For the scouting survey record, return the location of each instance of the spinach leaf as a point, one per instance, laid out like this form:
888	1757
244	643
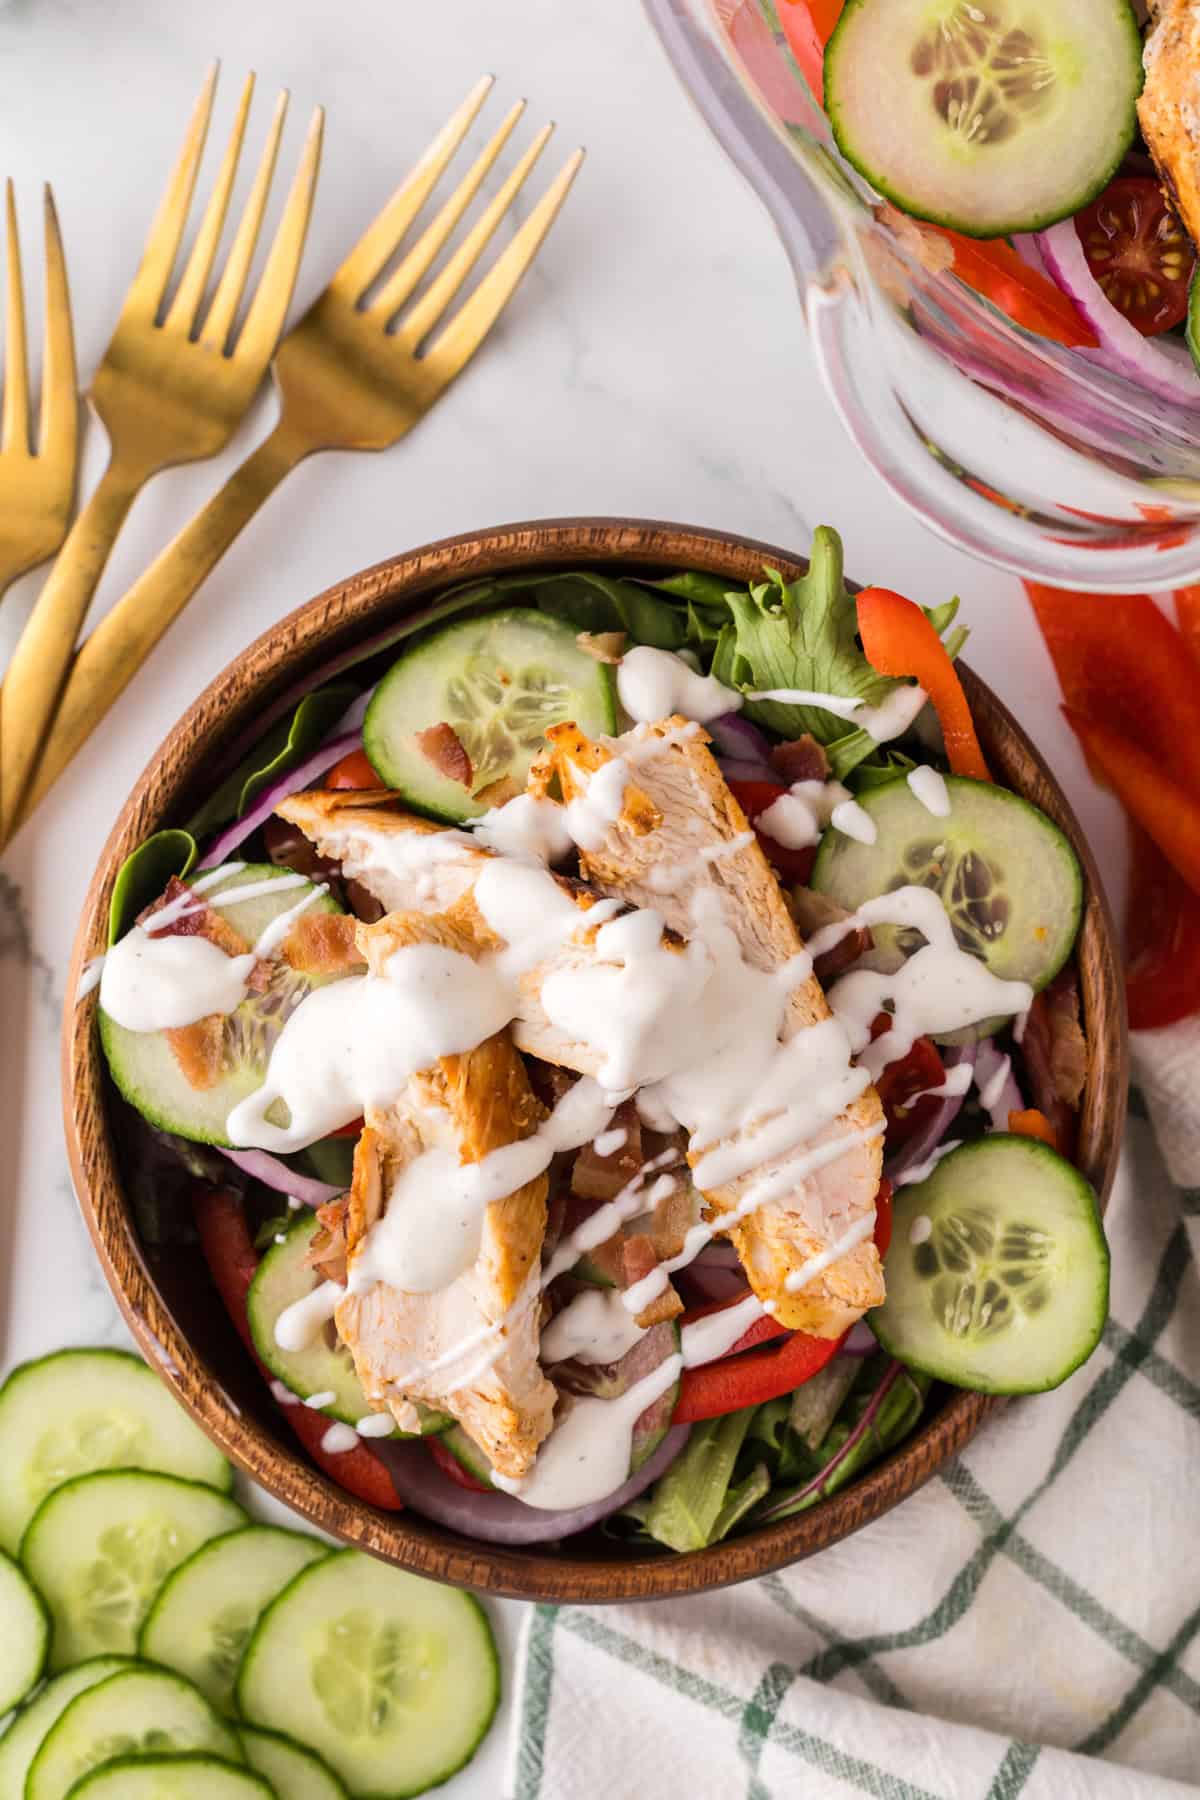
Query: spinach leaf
285	745
144	874
593	602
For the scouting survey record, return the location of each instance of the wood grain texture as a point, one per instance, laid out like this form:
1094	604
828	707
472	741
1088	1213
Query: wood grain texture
168	1300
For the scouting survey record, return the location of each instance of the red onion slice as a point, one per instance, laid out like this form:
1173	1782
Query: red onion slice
275	1174
1122	346
741	742
924	1142
703	1283
330	752
989	1061
499	1518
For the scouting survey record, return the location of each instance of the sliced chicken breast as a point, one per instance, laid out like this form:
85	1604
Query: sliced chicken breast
471	1347
681	843
389	851
1169	107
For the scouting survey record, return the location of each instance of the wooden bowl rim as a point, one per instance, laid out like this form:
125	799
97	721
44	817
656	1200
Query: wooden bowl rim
300	643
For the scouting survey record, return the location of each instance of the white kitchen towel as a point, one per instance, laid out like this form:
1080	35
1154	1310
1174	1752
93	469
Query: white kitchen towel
1028	1624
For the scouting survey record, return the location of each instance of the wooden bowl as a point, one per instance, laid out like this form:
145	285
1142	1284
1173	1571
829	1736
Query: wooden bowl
167	1297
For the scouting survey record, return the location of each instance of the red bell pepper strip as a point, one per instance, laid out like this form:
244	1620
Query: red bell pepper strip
754	797
732	1382
1168	812
354	771
761	1332
899	640
1162	940
808	26
1033	1124
883	1217
452	1469
1187	611
232	1261
1119	658
1029	298
903	1079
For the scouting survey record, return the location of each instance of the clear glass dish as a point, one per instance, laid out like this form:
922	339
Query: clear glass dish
1012	447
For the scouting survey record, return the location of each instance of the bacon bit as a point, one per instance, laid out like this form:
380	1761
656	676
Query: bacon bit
198	920
638	1259
327	1251
441	746
596	1177
199	1050
605	646
800	759
673	1217
322	944
812	911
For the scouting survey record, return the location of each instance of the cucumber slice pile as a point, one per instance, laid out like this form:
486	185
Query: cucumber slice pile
293	1772
500	682
190	1777
82	1410
1008	878
207	1607
25	1638
19	1744
990	119
144	1066
393	1680
997	1276
100	1547
140	1712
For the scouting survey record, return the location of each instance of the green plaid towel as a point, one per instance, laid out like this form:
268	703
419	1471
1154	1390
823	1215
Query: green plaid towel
1027	1624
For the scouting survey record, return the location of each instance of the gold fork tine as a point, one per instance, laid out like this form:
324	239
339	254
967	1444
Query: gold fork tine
430	307
190	292
60	388
228	296
454	346
14	435
264	321
381	237
401	283
158	258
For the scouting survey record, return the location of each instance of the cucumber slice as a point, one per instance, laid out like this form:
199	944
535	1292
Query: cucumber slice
988	119
293	1772
81	1410
1192	330
190	1777
1005	1289
393	1680
468	1455
140	1712
322	1367
100	1547
19	1744
500	681
1008	878
26	1635
204	1612
144	1066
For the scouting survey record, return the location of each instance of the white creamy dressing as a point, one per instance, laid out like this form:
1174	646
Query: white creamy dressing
929	787
301	1323
525	826
816	1265
317	1401
594	1327
375	1425
890	719
589	815
339	1439
797	819
992	1091
283	1396
89	977
921	1229
939	988
655	684
665	877
586	1456
923	1170
705	1339
958	1080
609	1142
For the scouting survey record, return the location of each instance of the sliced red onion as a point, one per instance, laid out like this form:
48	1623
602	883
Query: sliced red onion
1030	251
275	1174
735	768
499	1518
1122	347
989	1061
924	1142
330	752
718	1253
742	742
860	1430
860	1340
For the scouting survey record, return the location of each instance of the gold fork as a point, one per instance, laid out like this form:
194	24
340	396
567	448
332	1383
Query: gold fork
345	382
37	486
166	393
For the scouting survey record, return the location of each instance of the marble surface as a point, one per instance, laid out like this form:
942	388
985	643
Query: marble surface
654	364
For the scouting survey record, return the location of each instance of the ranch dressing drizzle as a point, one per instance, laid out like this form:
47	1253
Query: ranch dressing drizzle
890	719
939	988
991	1092
609	1142
706	1339
958	1081
589	815
586	1456
923	1170
929	787
593	1328
339	1439
655	684
816	1265
527	827
301	1323
796	819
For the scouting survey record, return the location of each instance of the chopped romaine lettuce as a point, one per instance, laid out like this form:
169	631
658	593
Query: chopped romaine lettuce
686	1502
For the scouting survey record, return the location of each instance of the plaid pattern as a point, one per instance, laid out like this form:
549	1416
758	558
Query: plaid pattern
1028	1624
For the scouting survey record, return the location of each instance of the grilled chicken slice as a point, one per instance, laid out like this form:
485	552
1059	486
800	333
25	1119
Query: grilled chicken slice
1169	107
681	837
389	851
403	1343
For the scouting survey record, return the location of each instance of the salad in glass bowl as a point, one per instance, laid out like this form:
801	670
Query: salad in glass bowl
620	1047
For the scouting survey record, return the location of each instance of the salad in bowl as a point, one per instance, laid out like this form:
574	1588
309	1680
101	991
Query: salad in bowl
621	1052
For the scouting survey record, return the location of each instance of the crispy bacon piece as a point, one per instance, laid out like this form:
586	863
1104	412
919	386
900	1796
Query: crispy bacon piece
811	911
605	646
199	1050
327	1251
800	759
441	746
322	944
639	1259
197	920
596	1177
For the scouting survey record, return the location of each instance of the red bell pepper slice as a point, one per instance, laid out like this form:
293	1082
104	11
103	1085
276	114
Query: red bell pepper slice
732	1382
1029	298
899	640
909	1075
452	1469
232	1261
808	26
1187	611
761	1332
1162	940
1119	658
754	797
1033	1124
883	1217
1168	812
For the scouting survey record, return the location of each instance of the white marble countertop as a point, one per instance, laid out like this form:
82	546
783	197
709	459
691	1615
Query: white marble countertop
655	364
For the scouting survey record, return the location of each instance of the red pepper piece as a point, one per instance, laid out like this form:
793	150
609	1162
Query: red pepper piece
883	1217
736	1381
1033	1124
1162	941
1168	812
909	1075
354	771
899	640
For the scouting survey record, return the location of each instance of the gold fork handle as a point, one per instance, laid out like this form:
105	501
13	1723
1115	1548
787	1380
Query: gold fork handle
43	654
114	652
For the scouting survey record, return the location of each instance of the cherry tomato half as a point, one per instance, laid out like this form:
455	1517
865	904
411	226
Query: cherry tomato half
354	771
754	797
903	1079
1138	253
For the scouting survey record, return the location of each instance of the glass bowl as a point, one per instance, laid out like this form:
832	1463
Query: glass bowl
1012	447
